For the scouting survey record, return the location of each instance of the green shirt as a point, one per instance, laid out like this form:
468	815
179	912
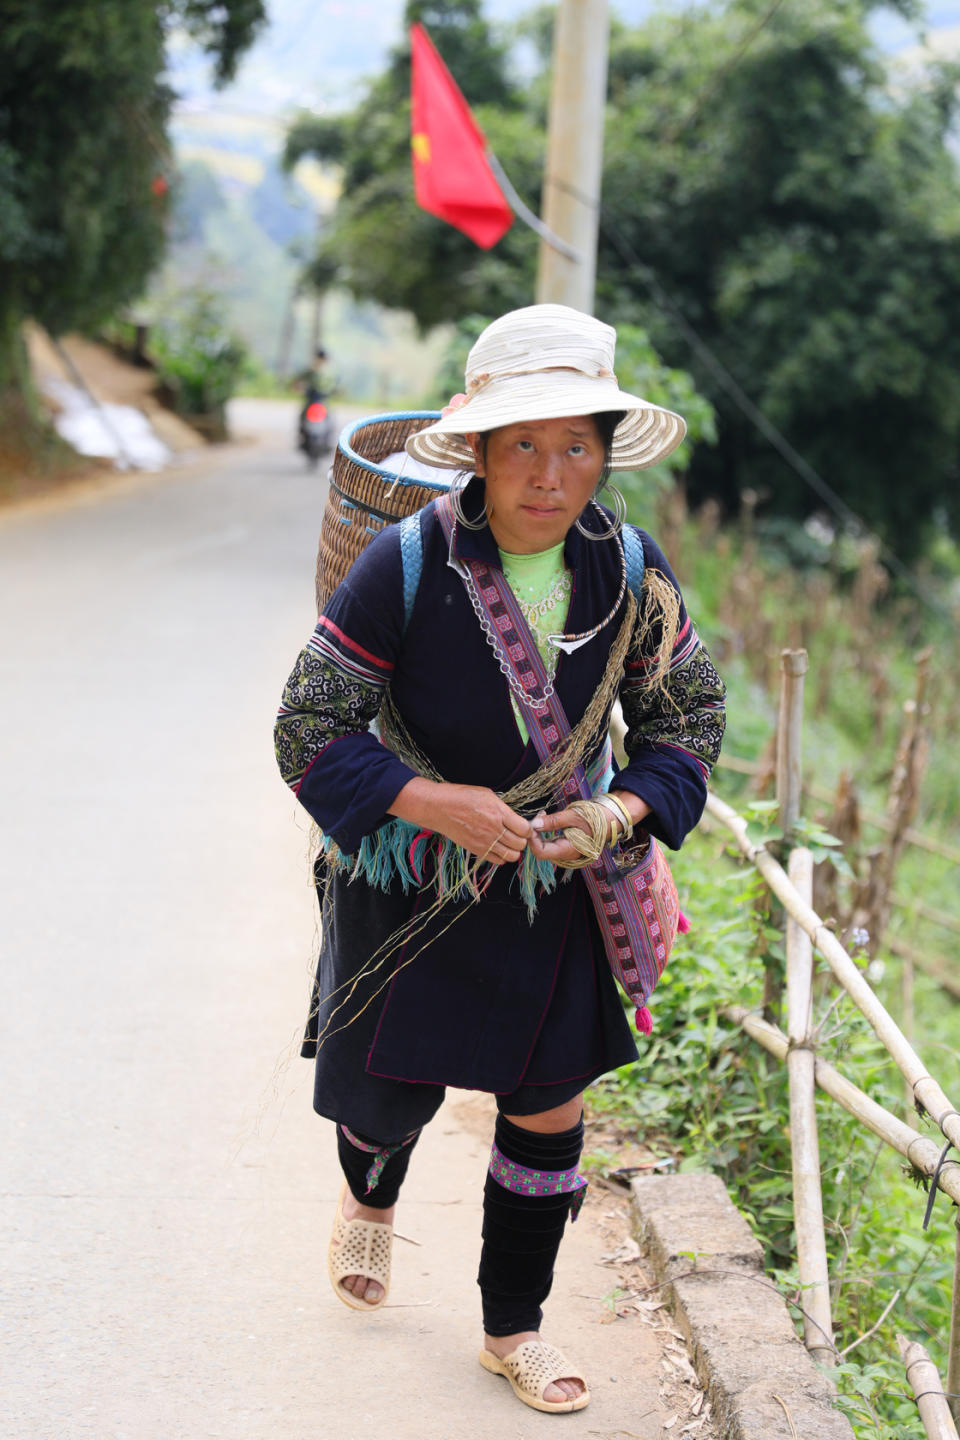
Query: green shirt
542	586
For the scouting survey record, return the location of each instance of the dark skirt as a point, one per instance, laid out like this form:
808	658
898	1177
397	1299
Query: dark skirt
478	999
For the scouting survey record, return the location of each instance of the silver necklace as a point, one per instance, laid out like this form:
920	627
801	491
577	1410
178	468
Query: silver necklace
534	610
564	642
493	641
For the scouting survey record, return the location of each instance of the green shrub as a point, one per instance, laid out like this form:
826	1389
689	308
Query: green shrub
196	359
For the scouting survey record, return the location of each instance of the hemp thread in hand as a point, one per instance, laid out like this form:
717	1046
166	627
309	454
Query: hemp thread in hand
591	844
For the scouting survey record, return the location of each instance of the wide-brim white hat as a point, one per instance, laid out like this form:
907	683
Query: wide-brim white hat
545	362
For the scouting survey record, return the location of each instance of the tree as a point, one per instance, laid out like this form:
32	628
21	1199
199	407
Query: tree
788	202
804	218
84	155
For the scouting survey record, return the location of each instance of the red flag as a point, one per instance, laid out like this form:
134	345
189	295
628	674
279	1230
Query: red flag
452	178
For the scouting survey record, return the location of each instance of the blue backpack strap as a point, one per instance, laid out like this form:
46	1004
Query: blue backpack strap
633	554
411	552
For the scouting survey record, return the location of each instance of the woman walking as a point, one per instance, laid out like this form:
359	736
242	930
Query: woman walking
458	946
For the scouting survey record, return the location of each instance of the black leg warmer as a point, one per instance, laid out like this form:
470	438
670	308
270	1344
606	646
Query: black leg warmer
374	1172
522	1228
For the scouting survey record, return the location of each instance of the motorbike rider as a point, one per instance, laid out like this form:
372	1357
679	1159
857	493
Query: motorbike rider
315	385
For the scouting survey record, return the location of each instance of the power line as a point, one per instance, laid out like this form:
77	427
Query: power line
721	73
523	212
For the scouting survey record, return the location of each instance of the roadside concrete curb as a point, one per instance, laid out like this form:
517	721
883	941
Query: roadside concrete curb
745	1350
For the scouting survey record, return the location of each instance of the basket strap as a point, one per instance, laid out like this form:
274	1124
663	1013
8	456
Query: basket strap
411	551
633	554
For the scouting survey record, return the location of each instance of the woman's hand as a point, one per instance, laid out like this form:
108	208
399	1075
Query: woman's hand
560	851
454	403
470	815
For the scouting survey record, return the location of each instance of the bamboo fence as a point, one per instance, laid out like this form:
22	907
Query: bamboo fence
927	1390
925	1088
806	933
808	1196
922	1152
940	968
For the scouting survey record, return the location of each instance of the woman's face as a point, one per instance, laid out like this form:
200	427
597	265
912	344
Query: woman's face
539	475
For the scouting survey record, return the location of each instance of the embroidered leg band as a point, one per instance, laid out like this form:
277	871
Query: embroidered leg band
532	1185
374	1172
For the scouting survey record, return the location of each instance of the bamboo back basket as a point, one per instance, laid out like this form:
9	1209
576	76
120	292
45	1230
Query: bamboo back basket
364	496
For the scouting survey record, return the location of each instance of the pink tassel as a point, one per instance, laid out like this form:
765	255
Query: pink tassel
420	835
683	924
644	1021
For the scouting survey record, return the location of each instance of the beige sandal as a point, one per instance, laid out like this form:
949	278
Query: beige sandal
531	1368
359	1247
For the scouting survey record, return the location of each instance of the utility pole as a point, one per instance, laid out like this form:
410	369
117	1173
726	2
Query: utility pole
571	184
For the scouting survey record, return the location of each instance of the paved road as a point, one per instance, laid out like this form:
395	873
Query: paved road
167	1192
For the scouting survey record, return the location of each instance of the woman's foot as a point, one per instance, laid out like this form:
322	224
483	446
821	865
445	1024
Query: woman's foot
361	1286
504	1345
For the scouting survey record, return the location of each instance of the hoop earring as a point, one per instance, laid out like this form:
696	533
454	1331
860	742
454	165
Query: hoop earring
619	516
457	487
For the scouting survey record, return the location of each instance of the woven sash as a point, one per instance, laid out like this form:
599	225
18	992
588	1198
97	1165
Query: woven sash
636	900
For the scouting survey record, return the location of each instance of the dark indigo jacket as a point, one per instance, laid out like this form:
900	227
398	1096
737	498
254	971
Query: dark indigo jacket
494	998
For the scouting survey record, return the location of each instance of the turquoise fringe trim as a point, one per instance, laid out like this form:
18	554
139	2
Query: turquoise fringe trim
398	850
401	851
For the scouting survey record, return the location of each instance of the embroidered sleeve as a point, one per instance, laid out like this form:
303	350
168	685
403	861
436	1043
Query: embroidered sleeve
336	689
327	754
689	716
674	731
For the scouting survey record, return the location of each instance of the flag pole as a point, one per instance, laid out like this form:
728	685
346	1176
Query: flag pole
524	213
571	187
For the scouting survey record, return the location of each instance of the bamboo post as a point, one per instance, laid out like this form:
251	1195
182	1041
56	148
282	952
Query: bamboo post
874	901
928	1389
793	667
804	1140
907	1011
953	1363
926	1089
789	769
922	1152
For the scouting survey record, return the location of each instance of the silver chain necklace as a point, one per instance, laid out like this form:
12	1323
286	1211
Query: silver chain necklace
561	641
493	641
534	610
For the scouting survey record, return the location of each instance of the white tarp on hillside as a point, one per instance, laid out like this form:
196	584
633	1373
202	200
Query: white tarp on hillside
115	432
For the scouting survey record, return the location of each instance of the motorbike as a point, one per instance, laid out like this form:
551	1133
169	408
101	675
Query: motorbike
317	437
